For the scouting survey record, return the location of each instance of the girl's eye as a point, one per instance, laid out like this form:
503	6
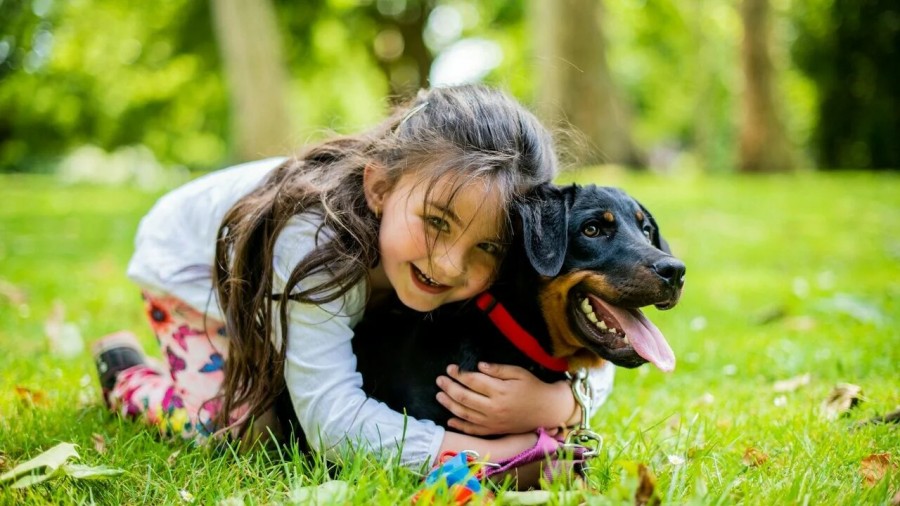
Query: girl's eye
438	223
490	248
591	230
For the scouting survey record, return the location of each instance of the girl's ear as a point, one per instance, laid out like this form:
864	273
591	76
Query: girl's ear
375	186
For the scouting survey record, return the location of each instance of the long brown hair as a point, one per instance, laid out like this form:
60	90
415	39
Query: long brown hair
468	131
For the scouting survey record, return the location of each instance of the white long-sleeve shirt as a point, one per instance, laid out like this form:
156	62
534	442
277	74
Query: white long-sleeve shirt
174	253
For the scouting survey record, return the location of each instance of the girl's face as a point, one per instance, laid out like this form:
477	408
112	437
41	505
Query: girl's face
435	249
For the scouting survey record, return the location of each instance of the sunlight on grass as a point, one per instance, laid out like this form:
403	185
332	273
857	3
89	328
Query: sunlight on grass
787	275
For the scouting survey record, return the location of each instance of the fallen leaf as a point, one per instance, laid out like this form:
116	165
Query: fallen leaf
82	472
31	397
49	461
874	467
53	463
171	460
754	458
646	491
99	443
842	398
792	384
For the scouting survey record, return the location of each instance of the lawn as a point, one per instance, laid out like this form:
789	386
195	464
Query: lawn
787	276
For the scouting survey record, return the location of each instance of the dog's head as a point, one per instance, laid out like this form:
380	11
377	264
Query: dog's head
601	257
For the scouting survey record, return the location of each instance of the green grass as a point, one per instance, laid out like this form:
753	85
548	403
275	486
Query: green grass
787	275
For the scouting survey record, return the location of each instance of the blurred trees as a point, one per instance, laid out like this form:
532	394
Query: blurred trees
662	79
851	49
764	146
574	83
250	44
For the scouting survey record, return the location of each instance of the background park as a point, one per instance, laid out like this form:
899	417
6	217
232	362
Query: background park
763	134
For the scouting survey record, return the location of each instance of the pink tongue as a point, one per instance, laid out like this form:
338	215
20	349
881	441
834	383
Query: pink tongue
644	337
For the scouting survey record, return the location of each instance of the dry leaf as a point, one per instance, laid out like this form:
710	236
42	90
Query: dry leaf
754	458
99	443
792	384
844	397
30	397
646	491
171	460
874	467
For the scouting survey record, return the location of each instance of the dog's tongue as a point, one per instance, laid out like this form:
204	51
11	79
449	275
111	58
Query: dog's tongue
645	338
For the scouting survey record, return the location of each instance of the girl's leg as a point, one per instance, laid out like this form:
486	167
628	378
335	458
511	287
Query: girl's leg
178	396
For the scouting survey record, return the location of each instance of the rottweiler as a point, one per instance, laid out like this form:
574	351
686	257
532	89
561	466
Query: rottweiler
583	260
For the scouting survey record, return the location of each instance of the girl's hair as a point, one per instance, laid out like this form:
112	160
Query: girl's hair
466	132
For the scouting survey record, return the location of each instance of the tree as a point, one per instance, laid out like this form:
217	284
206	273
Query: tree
575	85
763	144
846	47
251	53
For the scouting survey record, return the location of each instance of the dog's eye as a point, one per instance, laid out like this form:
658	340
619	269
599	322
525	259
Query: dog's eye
591	230
648	233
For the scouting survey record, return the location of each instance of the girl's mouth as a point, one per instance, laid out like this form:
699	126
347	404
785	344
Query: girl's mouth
424	282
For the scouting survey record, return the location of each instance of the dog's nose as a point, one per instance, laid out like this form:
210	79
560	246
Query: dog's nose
671	270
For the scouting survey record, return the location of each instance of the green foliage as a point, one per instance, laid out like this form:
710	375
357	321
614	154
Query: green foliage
787	275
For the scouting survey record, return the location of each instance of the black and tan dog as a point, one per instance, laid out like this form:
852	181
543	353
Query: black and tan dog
584	259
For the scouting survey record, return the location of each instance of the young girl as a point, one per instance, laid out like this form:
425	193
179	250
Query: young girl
254	277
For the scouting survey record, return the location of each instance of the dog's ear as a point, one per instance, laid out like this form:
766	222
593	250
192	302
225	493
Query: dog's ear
545	228
657	238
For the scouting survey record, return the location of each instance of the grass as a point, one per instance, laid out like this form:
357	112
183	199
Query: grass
787	275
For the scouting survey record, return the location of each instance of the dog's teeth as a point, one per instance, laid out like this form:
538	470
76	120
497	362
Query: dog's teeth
626	340
586	306
602	324
592	317
612	330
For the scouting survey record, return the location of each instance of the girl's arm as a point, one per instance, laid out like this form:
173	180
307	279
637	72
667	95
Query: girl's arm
504	399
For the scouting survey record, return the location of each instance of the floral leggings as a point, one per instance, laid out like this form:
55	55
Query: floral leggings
179	396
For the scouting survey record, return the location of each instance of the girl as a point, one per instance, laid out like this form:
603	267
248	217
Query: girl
254	277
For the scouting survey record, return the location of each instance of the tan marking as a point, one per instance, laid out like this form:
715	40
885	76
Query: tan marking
608	216
554	296
640	216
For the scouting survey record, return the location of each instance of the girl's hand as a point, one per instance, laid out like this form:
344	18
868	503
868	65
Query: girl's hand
504	399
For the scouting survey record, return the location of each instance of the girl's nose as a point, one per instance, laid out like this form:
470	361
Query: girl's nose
450	264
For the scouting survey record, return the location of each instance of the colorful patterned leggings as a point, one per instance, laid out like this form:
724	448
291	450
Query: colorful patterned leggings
179	395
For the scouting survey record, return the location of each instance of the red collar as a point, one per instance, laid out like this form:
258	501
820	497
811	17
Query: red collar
519	337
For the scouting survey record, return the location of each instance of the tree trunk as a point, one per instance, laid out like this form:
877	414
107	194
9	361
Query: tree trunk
249	43
575	87
764	146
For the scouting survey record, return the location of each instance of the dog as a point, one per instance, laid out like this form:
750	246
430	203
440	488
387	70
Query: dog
583	260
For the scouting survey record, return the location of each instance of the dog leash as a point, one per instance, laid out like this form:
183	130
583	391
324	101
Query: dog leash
582	436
